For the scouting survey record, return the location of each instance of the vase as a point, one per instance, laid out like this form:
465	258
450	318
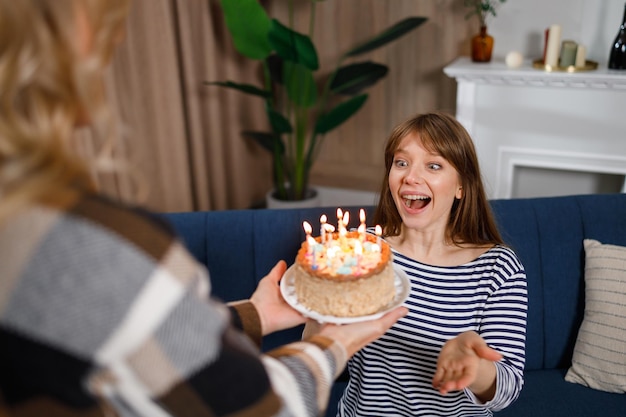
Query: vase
482	45
312	200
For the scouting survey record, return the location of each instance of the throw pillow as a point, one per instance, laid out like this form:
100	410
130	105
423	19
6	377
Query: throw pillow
599	359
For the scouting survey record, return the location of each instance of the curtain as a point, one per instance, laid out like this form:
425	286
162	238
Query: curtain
144	86
184	137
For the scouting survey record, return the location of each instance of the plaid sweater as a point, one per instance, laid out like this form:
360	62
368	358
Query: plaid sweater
104	312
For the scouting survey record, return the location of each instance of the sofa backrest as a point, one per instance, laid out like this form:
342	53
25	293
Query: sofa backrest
241	246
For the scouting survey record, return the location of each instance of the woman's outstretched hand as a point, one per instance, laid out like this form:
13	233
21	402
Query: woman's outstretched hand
467	362
354	336
273	310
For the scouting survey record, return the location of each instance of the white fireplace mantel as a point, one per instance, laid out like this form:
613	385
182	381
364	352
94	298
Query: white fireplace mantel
527	117
497	73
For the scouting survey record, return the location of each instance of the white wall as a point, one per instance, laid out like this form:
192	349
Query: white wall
520	25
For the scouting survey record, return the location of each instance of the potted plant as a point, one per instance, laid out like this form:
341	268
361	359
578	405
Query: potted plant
482	43
301	106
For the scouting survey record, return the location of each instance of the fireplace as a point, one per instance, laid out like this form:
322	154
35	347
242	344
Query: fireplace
543	133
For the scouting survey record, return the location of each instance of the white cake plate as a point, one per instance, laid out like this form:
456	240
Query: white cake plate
287	289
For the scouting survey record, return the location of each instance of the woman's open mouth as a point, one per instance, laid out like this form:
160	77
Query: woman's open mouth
416	202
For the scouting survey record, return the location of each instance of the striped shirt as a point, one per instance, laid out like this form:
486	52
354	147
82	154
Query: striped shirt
104	312
393	375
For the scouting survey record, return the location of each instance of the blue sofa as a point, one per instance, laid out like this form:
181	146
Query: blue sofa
240	247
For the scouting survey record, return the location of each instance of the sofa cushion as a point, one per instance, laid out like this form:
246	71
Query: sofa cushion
599	359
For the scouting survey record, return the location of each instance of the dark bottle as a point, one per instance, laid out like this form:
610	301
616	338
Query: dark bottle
482	45
617	58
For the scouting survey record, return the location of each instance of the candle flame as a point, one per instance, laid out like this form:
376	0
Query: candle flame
307	227
346	218
378	230
362	215
329	228
339	214
323	219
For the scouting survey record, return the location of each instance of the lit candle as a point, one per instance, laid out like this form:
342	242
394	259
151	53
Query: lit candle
342	236
323	228
311	247
307	229
341	229
361	231
379	232
329	228
339	218
362	226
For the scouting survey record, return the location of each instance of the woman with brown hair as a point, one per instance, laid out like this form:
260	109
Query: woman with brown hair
460	349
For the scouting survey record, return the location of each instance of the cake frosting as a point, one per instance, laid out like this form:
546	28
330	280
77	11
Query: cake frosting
344	274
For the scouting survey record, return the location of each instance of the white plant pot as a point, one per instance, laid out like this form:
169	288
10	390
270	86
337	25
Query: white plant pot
274	203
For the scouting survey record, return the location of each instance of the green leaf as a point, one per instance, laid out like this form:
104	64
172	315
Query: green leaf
388	35
354	78
249	26
339	114
280	124
300	84
246	88
266	140
293	46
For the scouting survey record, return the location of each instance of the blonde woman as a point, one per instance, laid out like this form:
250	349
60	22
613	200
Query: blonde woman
102	310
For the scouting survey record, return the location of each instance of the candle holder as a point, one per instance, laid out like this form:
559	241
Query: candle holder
589	66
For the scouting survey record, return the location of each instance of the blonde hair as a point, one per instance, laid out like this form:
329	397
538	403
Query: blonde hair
51	79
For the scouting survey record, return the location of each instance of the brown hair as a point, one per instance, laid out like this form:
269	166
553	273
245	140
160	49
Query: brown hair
471	219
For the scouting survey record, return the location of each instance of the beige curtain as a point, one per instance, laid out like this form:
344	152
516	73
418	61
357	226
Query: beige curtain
184	136
144	86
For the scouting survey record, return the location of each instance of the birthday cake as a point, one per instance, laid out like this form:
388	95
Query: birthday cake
344	274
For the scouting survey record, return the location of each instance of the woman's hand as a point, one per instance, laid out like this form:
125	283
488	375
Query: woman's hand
274	312
353	337
467	362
